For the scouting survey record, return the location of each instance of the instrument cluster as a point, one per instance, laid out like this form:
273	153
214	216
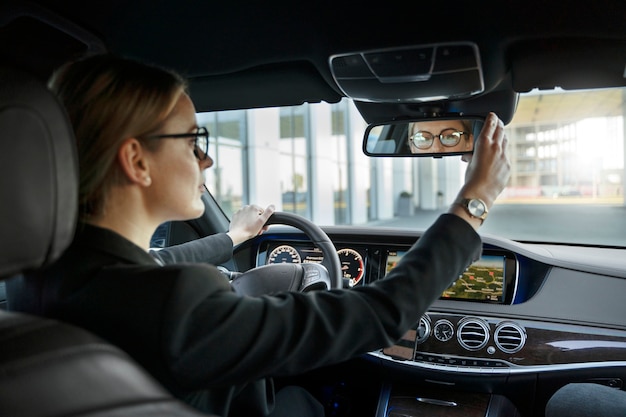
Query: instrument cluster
352	260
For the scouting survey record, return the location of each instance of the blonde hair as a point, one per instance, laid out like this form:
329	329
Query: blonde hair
110	99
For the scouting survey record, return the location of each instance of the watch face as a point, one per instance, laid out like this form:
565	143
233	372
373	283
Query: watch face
476	207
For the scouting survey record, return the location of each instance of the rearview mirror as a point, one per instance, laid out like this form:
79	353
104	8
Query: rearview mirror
435	137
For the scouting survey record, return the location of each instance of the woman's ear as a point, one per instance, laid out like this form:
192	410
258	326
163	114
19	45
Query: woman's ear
131	156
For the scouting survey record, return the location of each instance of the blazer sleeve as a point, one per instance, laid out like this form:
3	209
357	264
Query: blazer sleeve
212	336
214	249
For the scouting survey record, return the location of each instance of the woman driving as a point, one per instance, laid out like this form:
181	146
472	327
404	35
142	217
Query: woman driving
141	156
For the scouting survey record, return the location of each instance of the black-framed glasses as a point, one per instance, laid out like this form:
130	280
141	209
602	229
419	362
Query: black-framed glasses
448	138
201	145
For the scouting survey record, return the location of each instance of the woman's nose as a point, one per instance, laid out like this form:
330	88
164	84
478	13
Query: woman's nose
437	146
206	162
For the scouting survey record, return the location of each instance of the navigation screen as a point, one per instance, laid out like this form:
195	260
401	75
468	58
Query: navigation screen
484	280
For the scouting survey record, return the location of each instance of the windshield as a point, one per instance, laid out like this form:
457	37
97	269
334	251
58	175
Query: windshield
566	151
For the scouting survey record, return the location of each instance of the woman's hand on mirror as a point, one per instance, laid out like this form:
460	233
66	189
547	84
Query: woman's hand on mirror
489	167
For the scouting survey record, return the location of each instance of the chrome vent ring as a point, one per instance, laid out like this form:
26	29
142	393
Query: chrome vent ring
509	337
472	333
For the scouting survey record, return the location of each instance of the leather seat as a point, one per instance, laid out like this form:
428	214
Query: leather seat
49	368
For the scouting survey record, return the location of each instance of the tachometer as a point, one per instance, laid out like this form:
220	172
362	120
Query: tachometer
284	254
351	265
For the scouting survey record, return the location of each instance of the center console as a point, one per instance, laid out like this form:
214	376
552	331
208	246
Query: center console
418	401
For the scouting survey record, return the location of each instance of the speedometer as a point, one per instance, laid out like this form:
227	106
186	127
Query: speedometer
284	254
351	265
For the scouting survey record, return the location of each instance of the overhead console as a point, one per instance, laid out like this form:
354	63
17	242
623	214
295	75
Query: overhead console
419	73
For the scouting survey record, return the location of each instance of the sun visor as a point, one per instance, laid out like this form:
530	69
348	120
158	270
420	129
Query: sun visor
410	74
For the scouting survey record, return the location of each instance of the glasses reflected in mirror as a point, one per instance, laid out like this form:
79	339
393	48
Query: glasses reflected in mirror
441	136
426	137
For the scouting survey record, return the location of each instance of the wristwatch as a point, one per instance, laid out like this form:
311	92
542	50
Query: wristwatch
475	207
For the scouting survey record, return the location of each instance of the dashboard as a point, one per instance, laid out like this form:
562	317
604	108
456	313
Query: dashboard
352	259
556	304
491	279
525	316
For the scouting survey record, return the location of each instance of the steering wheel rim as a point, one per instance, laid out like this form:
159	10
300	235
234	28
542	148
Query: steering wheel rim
319	238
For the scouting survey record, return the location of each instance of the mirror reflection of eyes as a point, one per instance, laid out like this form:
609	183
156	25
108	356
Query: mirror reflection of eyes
425	137
449	137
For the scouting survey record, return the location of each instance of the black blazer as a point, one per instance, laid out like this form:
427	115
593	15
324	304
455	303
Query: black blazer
185	324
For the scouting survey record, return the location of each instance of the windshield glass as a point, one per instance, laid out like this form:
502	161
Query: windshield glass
566	151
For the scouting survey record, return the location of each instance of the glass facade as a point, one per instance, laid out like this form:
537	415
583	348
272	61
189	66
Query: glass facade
227	145
317	168
293	162
326	179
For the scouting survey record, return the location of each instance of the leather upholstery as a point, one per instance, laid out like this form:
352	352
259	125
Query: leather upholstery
38	175
49	368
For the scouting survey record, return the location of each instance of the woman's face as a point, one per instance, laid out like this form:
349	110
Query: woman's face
436	128
176	173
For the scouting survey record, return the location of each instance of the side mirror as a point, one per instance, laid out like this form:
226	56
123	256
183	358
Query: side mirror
434	137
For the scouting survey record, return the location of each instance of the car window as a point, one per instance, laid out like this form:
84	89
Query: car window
567	158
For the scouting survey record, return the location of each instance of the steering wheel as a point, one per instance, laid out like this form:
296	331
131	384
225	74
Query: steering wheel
294	277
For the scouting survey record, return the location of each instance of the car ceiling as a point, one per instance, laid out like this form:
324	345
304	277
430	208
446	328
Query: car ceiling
256	54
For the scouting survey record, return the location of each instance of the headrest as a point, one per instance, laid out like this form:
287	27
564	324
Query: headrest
38	175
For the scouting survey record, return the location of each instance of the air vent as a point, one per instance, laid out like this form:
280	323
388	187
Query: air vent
422	333
473	333
510	337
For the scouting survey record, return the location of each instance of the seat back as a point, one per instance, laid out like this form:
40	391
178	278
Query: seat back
38	175
49	368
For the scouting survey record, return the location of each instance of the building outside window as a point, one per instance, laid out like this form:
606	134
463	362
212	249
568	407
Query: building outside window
227	142
330	181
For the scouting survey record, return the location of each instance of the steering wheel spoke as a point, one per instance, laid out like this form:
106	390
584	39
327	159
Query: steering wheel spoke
305	277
